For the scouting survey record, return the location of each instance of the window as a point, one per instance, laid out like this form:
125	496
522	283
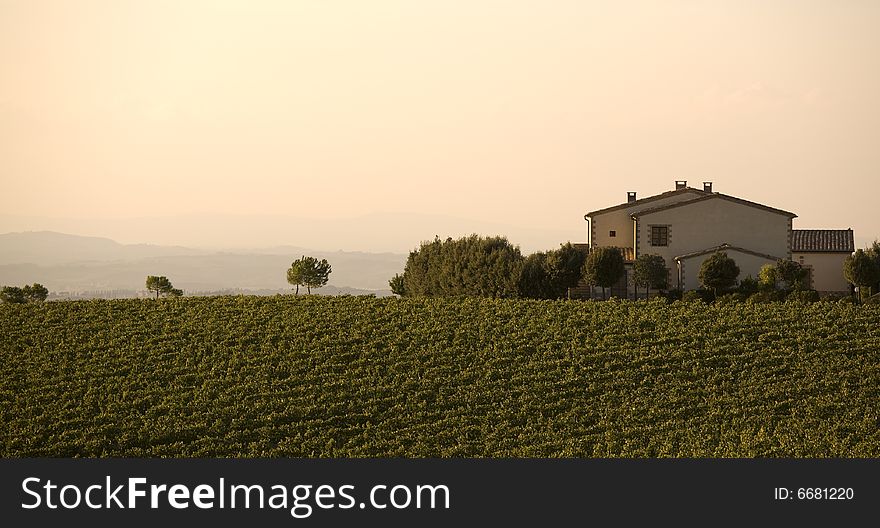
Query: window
659	235
612	233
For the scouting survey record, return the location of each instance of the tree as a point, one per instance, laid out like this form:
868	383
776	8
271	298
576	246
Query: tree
650	271
472	266
35	292
604	267
13	295
768	277
549	275
309	272
565	268
295	274
860	269
792	274
718	272
161	285
874	253
397	286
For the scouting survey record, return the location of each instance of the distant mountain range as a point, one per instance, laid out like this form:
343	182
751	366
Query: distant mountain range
71	263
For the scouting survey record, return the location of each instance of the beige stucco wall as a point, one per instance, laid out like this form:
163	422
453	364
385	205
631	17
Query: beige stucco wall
690	272
708	223
620	221
827	270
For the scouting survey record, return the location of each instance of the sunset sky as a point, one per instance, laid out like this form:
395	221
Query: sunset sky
523	114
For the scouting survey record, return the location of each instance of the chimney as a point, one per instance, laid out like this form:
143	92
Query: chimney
707	186
630	197
680	184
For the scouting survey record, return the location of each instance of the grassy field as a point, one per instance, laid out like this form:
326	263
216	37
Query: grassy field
363	377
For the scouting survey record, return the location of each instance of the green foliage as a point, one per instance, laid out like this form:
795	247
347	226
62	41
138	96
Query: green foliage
549	275
784	274
804	296
718	272
472	266
159	285
309	272
732	298
703	295
748	286
874	253
650	271
604	267
792	274
862	270
397	285
363	377
766	296
13	295
36	292
674	294
768	278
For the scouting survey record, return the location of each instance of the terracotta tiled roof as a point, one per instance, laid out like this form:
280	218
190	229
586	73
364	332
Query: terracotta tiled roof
822	241
628	252
733	199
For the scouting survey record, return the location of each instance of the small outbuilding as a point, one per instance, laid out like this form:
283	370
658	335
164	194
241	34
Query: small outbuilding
822	252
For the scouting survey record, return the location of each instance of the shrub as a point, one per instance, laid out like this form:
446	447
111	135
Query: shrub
765	297
674	294
748	286
732	298
804	296
690	296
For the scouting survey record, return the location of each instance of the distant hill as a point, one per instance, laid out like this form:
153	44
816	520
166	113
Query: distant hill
49	248
71	263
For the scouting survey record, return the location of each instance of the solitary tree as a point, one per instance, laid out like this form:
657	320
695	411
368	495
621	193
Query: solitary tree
397	286
718	272
309	272
650	271
13	295
160	285
604	267
35	292
861	270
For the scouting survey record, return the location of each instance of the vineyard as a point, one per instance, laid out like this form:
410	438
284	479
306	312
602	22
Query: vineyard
316	376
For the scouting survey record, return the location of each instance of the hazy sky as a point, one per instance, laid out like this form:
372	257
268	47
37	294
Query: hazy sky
521	113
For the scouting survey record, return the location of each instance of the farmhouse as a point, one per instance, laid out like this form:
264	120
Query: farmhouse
687	225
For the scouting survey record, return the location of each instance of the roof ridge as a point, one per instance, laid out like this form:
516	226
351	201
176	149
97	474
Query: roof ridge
727	197
664	194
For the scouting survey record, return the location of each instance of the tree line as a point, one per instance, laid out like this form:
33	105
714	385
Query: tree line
476	266
35	292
